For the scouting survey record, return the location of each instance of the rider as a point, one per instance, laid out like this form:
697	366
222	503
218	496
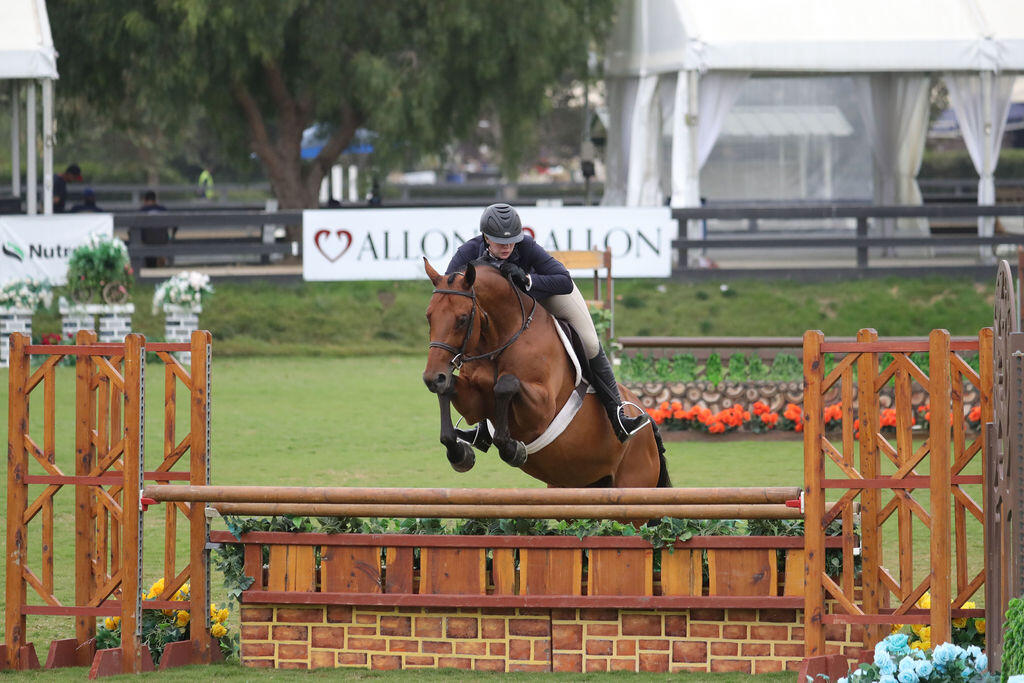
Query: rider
534	271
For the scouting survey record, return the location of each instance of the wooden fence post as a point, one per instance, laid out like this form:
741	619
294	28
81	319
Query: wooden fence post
85	499
940	495
199	475
131	510
814	496
870	498
17	500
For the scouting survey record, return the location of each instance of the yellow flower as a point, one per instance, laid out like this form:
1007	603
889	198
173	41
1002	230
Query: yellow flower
970	605
213	610
960	622
218	630
109	624
181	621
917	628
921	645
223	615
156	589
925	601
896	628
980	625
925	634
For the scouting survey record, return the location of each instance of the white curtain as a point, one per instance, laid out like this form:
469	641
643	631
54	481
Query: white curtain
693	139
644	131
621	94
981	103
895	112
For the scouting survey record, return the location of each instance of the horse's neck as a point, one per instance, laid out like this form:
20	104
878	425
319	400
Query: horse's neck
505	313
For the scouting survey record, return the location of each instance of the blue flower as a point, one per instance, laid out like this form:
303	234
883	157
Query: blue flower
882	658
907	664
981	661
887	678
897	643
842	679
943	655
887	667
923	668
973	651
907	677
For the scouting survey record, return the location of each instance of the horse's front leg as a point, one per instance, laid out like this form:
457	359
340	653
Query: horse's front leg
511	450
460	454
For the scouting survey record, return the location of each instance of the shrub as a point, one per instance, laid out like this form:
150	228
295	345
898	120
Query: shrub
27	293
1013	639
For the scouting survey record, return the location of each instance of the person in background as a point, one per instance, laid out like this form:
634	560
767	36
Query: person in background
72	174
88	203
154	235
204	188
503	244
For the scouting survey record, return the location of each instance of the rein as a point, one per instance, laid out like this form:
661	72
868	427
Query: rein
459	354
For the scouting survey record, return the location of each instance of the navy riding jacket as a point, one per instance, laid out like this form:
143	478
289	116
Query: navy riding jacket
547	276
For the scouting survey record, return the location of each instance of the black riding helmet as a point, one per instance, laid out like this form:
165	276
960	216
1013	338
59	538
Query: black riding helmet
500	224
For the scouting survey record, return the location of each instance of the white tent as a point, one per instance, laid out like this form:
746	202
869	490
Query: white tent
28	59
679	66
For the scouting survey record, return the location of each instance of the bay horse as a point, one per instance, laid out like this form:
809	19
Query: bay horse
513	370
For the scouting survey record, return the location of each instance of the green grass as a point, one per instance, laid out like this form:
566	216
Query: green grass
370	318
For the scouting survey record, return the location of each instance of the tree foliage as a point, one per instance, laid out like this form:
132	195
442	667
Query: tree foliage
417	72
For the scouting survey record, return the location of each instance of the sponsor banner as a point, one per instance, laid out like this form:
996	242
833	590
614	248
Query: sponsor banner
390	244
40	246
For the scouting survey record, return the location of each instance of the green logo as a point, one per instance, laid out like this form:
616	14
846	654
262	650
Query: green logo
14	251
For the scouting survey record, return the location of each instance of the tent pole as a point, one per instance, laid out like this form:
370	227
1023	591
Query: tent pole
986	224
48	146
15	138
30	148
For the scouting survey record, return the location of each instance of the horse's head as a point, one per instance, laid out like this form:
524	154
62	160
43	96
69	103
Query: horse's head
451	315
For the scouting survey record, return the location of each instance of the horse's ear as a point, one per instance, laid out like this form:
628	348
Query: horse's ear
434	276
470	277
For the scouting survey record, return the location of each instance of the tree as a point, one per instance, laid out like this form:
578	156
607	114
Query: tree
417	72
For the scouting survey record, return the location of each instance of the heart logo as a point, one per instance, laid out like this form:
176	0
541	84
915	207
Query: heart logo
341	235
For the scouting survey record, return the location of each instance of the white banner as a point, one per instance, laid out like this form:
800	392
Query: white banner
40	246
389	244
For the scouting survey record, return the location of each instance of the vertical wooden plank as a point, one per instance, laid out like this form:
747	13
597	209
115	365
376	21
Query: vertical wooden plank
350	569
814	495
616	571
551	571
742	571
277	569
399	578
170	511
958	447
682	573
85	536
846	392
17	499
793	583
503	571
131	514
459	571
939	476
253	565
871	541
301	569
904	452
50	453
199	475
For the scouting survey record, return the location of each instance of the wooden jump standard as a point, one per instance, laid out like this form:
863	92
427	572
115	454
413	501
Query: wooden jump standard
695	503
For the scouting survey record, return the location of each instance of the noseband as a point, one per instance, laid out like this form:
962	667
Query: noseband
459	354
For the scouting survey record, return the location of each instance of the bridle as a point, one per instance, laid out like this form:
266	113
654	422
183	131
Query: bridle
459	354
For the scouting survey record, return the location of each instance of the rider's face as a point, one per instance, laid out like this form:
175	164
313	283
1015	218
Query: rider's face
500	251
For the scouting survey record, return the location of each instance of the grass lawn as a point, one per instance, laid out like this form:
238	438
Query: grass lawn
348	422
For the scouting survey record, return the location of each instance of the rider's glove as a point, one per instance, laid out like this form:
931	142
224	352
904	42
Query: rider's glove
516	274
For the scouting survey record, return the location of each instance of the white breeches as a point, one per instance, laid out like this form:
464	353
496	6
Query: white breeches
573	307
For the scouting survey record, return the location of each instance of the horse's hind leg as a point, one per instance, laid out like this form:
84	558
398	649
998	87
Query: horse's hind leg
511	450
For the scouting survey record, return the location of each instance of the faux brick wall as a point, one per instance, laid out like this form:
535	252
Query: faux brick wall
744	640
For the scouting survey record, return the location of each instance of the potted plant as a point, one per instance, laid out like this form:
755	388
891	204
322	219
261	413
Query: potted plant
100	268
181	299
18	300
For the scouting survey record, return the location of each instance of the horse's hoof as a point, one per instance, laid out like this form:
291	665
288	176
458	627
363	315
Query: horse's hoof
461	456
518	458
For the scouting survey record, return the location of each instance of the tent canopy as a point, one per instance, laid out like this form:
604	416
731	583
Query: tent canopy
26	45
838	36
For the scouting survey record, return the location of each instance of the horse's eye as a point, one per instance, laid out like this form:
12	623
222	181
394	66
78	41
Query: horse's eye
462	321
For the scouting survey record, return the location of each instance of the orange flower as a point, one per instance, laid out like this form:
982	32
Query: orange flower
792	412
664	406
716	428
770	419
975	414
676	405
760	408
679	414
799	427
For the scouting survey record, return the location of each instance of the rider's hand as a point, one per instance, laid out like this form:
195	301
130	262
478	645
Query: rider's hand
516	274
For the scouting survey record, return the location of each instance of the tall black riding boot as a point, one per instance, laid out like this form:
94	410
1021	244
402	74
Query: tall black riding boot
478	437
608	391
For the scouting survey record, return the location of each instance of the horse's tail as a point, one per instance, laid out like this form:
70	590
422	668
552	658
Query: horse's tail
663	479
